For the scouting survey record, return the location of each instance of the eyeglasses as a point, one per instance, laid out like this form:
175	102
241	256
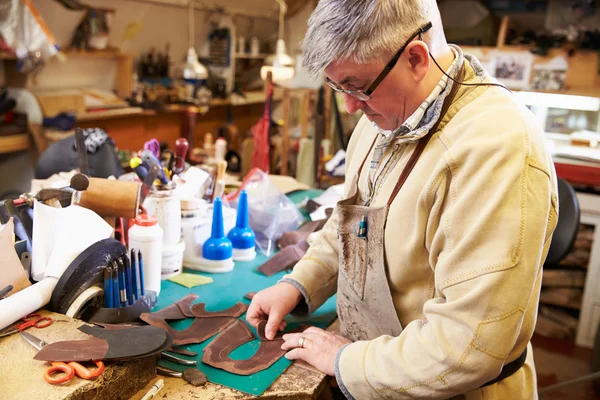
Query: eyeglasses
365	95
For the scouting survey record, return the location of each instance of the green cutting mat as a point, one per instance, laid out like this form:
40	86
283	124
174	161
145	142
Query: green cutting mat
227	290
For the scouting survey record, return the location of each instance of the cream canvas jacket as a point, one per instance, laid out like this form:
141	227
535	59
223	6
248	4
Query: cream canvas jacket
465	242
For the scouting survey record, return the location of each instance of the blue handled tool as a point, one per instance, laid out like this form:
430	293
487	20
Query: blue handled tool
136	164
148	159
134	275
128	280
115	285
141	267
122	289
108	296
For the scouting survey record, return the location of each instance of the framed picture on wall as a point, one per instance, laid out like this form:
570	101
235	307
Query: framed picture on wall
512	68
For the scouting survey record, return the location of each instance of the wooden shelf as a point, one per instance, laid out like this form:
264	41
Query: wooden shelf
103	54
14	143
251	56
5	55
108	114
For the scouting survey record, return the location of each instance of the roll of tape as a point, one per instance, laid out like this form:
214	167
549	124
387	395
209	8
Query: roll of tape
78	306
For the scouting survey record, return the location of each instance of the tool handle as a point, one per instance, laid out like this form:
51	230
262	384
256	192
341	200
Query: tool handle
181	147
42	322
86	373
68	373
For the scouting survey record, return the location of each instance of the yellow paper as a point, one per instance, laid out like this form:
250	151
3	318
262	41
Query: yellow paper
191	280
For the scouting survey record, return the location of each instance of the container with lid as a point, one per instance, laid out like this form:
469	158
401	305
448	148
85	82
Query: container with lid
147	236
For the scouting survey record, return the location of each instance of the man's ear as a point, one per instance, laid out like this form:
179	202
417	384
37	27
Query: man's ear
418	58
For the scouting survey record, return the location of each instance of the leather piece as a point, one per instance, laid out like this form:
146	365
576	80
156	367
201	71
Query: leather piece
205	325
200	330
74	350
285	259
216	354
116	315
250	295
130	342
295	237
261	330
199	311
85	271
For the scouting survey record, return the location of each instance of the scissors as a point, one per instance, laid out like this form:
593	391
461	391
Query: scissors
35	320
154	146
69	369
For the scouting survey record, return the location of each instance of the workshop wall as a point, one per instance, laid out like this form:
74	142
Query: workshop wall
160	24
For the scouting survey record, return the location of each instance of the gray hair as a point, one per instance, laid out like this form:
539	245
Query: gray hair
364	31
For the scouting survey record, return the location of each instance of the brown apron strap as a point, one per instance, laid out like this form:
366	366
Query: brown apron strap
425	139
367	156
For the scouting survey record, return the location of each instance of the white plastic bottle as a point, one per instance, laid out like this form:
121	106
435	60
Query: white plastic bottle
147	236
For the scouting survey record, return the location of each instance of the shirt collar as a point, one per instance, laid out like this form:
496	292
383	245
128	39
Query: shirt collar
427	114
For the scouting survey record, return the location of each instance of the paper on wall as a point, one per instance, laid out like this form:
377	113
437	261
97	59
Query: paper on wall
60	235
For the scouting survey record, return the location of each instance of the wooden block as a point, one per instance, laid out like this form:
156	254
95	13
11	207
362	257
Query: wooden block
22	376
562	297
563	278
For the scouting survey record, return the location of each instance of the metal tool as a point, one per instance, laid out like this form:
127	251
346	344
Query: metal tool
108	296
115	285
32	320
69	369
128	280
5	291
153	173
177	360
82	152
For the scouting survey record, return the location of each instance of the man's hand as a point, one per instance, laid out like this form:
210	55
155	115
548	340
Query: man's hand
315	346
273	304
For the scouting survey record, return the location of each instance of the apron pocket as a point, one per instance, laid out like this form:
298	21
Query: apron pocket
353	262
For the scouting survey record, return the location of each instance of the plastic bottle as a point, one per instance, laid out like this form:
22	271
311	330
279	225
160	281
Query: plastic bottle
147	236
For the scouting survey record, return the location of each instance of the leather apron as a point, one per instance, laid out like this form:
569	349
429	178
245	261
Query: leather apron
364	301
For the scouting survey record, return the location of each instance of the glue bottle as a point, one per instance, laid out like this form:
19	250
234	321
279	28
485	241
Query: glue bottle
147	236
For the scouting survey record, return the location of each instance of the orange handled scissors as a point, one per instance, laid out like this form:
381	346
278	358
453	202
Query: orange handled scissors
35	320
69	369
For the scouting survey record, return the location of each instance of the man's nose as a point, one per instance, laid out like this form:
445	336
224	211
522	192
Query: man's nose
353	104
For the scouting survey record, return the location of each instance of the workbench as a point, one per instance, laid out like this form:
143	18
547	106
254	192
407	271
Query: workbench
297	382
21	376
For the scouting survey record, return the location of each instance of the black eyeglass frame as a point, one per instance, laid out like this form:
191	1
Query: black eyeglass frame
365	95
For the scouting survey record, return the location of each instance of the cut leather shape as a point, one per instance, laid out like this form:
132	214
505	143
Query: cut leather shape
199	311
74	350
261	330
216	354
109	343
250	295
122	344
285	259
204	326
200	330
295	237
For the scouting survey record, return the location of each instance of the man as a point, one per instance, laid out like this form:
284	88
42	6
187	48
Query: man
436	252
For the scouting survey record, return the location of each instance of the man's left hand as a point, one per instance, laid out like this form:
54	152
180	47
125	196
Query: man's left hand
315	346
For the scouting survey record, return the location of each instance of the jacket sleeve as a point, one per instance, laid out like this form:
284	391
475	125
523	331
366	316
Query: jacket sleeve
496	211
315	275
